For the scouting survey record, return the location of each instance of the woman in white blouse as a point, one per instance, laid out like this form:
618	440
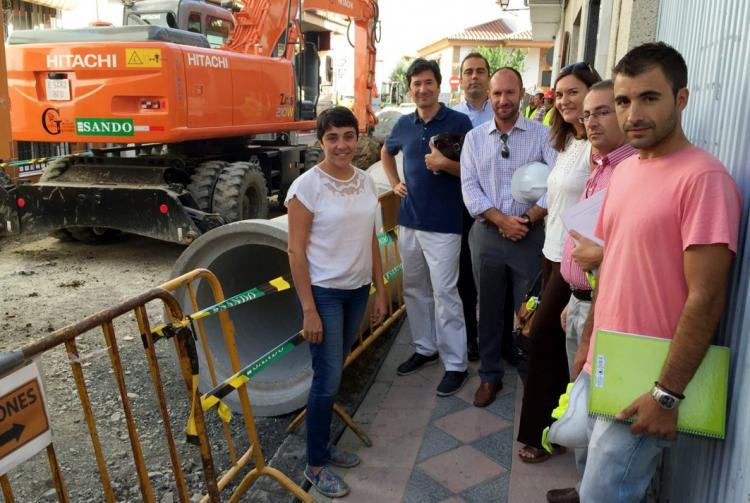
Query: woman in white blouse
334	256
548	365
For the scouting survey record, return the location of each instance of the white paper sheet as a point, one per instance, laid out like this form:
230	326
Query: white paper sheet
582	216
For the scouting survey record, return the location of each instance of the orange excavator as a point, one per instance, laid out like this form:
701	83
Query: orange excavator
195	111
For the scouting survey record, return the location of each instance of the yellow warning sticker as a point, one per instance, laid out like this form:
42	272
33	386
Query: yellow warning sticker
143	58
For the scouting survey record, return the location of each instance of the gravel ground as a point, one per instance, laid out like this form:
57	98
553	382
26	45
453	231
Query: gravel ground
48	284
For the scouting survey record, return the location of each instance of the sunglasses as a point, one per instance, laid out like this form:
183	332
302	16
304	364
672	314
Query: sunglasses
576	66
505	153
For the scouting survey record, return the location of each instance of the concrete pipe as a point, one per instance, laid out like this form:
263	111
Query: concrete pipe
242	255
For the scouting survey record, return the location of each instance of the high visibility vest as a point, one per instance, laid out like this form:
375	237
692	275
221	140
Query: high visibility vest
548	117
528	112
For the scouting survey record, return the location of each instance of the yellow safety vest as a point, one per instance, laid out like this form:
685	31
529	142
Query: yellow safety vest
529	112
548	117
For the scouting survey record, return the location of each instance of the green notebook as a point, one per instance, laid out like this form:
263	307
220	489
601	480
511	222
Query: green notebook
626	365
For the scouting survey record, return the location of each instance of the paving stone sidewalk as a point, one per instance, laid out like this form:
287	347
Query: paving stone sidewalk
441	449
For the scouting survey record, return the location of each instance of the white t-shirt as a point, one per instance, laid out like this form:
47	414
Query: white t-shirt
565	184
339	253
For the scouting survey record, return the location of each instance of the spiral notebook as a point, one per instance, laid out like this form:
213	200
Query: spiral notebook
626	365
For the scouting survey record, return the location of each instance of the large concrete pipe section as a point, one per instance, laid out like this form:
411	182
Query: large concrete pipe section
242	255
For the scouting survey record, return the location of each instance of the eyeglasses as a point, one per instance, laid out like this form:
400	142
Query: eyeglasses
596	115
576	66
505	153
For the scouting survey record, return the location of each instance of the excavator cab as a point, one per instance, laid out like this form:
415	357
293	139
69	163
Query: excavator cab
195	16
307	66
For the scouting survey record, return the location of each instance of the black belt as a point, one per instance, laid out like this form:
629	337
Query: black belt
584	295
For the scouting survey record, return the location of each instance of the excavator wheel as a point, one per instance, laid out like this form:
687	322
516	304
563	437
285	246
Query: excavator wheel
241	192
202	182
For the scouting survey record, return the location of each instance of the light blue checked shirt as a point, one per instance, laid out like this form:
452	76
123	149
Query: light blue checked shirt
477	116
486	176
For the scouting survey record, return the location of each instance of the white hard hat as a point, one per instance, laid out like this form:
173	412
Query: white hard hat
529	182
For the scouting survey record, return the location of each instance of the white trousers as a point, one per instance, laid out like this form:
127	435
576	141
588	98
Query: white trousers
436	317
578	311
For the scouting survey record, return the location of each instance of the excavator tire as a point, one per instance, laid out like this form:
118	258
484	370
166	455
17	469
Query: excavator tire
202	182
241	192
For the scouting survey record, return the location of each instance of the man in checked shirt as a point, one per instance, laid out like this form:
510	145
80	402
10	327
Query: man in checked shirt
579	253
511	234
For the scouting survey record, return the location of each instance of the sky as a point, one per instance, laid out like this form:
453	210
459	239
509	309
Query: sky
409	25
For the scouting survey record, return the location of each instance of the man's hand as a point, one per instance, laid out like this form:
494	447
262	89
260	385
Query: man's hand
579	360
651	418
435	160
587	254
400	189
564	318
513	228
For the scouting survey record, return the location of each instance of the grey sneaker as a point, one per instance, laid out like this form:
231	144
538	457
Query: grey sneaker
327	483
452	382
342	459
416	362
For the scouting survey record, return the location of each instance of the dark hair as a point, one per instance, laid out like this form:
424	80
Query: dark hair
335	117
655	54
539	94
561	130
510	69
606	85
420	65
474	55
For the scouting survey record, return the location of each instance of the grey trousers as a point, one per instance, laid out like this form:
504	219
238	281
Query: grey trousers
491	256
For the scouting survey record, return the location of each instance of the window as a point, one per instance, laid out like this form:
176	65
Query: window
194	22
217	31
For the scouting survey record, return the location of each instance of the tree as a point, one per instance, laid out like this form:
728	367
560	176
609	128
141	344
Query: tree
399	71
499	56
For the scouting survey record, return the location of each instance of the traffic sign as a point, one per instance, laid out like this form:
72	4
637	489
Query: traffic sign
24	422
454	81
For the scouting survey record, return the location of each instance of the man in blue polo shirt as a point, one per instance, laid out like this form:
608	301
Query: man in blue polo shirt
431	221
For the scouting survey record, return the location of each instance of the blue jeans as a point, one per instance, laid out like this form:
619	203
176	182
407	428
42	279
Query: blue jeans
618	465
341	313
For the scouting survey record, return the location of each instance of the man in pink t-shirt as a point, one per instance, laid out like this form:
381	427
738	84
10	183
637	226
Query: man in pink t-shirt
669	221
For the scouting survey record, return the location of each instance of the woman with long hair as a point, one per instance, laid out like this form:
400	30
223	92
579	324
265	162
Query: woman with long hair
548	364
334	256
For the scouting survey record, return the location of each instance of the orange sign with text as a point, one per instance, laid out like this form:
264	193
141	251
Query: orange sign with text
22	417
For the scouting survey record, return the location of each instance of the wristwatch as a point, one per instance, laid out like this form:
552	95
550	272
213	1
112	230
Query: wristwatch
666	399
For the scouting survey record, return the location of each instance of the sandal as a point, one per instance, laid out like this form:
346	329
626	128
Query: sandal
529	454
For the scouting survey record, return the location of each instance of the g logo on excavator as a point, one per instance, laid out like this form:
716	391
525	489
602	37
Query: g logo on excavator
51	121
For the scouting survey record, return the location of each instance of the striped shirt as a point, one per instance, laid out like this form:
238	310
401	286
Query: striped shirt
486	176
597	180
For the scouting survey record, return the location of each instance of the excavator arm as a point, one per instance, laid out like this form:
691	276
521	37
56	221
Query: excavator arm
263	25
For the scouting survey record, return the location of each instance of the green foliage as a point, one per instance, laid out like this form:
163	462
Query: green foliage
399	72
499	57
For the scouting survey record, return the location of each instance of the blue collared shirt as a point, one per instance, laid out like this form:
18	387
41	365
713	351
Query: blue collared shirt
433	202
477	115
486	176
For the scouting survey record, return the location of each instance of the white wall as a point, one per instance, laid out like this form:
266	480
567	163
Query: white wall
85	12
531	70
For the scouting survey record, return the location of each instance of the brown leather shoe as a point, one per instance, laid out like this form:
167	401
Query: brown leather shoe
567	495
486	393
